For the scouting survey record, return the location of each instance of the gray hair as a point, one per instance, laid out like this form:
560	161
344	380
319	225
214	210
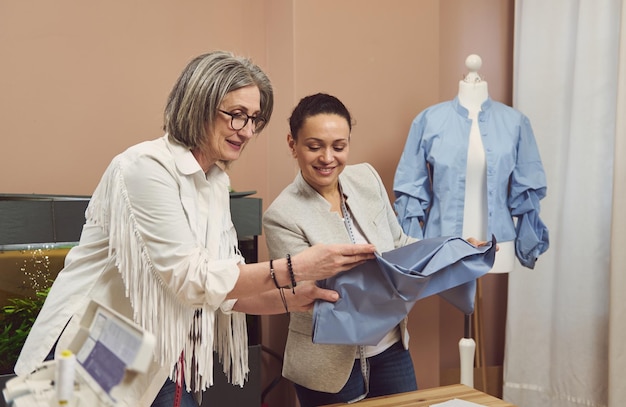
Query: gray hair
199	91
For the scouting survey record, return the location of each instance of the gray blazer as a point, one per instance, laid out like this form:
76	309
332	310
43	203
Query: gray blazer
299	218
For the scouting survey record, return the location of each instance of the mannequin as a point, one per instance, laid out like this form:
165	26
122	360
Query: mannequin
473	92
471	167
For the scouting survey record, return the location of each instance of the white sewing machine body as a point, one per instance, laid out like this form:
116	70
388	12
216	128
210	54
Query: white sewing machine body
111	351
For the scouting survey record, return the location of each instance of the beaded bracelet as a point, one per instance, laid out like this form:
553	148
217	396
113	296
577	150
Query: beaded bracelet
291	275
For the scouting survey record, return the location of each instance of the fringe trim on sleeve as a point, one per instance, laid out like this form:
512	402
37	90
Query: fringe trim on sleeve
231	332
177	327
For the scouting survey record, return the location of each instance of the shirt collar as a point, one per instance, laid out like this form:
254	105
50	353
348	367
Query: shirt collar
485	108
186	162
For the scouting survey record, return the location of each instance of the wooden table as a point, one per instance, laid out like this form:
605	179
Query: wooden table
426	397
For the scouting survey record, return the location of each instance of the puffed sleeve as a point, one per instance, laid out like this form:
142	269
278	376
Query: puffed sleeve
412	188
528	187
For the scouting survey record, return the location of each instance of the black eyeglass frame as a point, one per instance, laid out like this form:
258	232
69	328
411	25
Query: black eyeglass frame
256	125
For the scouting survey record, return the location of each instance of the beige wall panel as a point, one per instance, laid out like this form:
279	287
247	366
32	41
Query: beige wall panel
381	61
80	81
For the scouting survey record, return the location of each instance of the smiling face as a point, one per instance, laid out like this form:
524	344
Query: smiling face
322	147
223	143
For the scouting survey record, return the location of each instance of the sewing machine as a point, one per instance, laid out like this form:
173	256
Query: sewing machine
107	354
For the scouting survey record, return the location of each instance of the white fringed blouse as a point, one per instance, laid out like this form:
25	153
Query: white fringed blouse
157	246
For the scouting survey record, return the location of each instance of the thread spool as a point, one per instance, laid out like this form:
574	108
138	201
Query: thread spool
64	377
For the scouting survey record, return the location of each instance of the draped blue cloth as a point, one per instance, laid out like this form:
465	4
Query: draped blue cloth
376	295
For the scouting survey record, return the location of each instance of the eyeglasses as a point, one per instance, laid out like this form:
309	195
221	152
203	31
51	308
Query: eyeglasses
239	120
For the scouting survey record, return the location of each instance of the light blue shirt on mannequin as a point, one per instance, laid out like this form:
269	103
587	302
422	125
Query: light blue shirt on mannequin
429	183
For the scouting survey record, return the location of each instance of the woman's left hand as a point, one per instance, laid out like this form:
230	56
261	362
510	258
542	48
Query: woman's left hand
479	243
306	294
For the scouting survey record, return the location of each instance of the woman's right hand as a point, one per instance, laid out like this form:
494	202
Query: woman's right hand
322	261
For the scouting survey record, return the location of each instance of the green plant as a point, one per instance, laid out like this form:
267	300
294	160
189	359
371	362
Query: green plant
15	322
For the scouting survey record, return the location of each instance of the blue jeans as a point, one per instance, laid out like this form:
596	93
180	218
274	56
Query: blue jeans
165	398
390	372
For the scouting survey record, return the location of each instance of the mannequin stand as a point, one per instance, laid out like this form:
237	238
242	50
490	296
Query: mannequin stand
471	346
479	335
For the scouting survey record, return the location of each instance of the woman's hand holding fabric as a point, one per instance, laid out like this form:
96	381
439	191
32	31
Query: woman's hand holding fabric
306	295
478	243
322	261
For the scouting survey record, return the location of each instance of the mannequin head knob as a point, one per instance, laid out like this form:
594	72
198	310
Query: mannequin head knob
473	63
